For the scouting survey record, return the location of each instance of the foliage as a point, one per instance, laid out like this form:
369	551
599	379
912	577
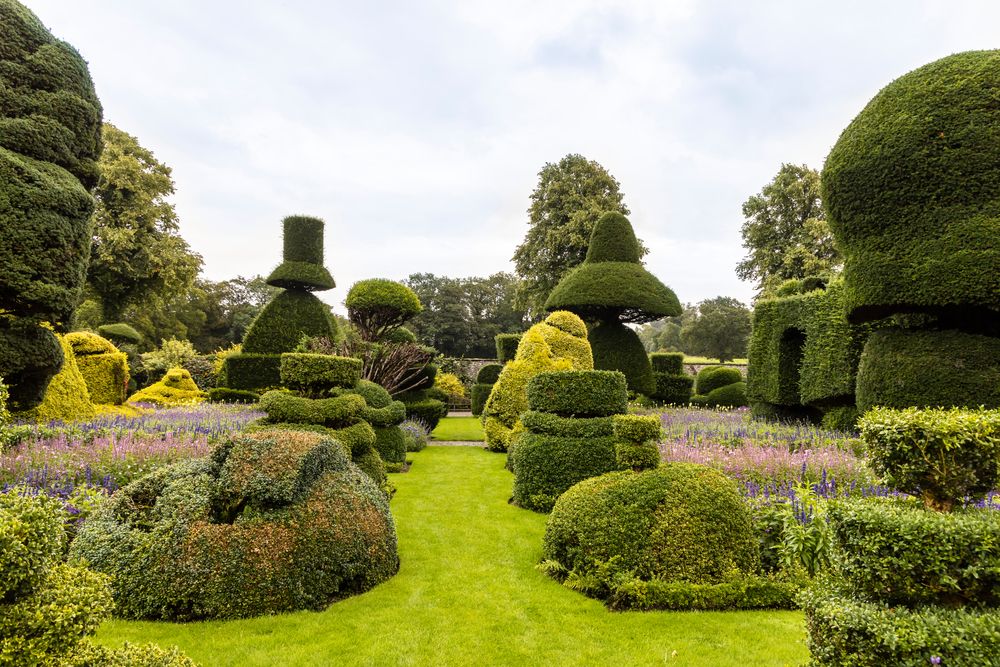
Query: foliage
104	369
730	396
848	631
671	363
175	388
4	401
785	231
675	523
748	592
415	435
250	372
67	398
720	330
485	379
50	139
243	533
546	465
546	423
283	322
450	384
587	393
302	254
942	456
565	205
617	348
120	332
398	367
428	411
461	316
557	343
506	346
901	367
136	249
672	389
377	306
902	554
171	354
390	443
636	437
202	370
713	377
227	395
315	374
912	190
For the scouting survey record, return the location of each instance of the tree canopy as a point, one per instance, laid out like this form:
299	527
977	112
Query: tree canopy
565	205
136	253
720	329
785	231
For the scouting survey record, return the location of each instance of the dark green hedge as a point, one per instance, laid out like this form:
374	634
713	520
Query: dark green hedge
845	631
671	363
284	407
901	368
489	374
748	592
578	393
374	394
251	371
318	372
546	465
478	396
900	553
30	356
613	240
390	444
618	348
713	377
730	396
507	346
429	411
302	266
227	395
672	389
283	322
544	423
680	522
803	351
912	188
120	332
614	290
273	521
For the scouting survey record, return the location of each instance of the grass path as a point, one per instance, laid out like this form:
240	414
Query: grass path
468	594
458	429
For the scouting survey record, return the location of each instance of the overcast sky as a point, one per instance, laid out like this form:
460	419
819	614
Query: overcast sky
417	129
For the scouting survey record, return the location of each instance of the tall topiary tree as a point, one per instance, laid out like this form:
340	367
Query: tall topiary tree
293	313
611	288
50	139
913	192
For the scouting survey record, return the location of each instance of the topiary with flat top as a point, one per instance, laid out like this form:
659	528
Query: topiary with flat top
66	398
50	140
104	368
611	288
302	266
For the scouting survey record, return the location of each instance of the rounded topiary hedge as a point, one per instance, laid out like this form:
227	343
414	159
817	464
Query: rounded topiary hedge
477	396
273	521
713	377
680	522
489	373
912	189
617	347
283	322
901	368
175	388
121	332
506	346
67	398
302	266
729	396
546	465
318	373
578	393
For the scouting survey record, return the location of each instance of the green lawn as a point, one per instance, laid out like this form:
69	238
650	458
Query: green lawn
468	594
458	428
708	360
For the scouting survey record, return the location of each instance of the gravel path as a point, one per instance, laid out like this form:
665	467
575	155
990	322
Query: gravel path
455	443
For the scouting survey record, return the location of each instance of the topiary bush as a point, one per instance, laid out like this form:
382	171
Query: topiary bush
202	370
315	374
120	332
507	346
377	306
283	322
680	522
557	343
103	367
636	437
713	377
249	372
429	411
478	395
671	363
67	398
578	393
50	140
896	363
730	396
227	395
617	347
302	266
273	521
489	373
672	389
176	388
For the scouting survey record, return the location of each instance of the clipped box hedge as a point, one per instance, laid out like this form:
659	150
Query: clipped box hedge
251	372
318	372
671	363
545	466
578	393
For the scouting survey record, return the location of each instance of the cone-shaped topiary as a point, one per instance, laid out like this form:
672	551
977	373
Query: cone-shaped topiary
611	287
302	266
50	139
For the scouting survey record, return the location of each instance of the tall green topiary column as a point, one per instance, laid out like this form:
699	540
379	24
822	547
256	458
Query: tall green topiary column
913	193
291	314
50	139
610	289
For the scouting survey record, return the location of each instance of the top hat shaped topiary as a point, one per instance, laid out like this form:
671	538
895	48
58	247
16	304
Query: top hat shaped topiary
302	266
612	284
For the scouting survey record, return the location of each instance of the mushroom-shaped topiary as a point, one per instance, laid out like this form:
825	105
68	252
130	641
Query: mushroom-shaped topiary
50	139
378	306
612	288
913	191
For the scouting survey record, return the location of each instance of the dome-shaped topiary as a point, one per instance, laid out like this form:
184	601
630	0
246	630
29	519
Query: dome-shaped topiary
713	377
120	332
50	140
613	240
377	306
679	522
274	521
302	268
283	322
913	193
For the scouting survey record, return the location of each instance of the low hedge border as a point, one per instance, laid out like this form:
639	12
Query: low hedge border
750	592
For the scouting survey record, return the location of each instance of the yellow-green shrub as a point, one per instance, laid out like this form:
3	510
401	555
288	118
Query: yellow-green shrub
176	388
449	384
67	398
559	343
103	366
